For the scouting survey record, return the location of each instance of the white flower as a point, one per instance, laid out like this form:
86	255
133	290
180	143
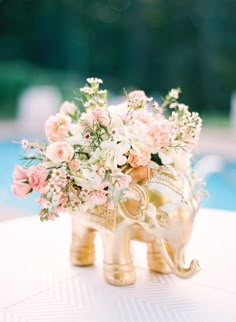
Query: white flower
174	93
94	80
183	107
173	105
118	113
25	144
76	139
111	154
102	91
137	132
177	157
87	90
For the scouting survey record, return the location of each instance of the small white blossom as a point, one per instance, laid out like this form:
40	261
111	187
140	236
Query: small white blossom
102	92
182	107
173	105
94	80
87	90
25	144
174	93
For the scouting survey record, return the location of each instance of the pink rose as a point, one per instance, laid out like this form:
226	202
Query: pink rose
21	189
59	152
136	160
20	173
37	177
57	127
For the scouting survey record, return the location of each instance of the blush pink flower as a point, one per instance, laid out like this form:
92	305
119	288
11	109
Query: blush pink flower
160	133
98	115
120	180
74	165
87	119
37	176
59	152
21	189
41	201
101	116
143	116
57	127
51	215
20	173
136	160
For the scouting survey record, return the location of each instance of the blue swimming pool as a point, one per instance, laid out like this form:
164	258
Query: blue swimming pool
220	185
222	188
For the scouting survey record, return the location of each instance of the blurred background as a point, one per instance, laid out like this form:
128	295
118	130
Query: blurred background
49	48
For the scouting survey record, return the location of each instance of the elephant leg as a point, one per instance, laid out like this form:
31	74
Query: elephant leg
82	251
118	266
156	261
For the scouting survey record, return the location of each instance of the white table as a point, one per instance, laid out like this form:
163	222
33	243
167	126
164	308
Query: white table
38	283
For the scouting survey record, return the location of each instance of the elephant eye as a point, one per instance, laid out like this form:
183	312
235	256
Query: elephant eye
163	218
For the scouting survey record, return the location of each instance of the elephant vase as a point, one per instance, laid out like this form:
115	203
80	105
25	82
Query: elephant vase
160	212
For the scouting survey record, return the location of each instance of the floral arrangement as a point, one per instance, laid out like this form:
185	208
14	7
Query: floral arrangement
91	142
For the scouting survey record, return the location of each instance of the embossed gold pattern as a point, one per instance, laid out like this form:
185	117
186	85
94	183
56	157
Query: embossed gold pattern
104	216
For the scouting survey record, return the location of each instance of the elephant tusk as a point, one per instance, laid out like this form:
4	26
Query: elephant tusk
179	271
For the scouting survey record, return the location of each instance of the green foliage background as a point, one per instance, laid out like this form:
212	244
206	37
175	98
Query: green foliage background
149	44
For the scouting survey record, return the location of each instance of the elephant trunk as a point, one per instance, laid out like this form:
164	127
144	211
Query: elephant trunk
177	264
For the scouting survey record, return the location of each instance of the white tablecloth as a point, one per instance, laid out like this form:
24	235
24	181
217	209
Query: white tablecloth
38	283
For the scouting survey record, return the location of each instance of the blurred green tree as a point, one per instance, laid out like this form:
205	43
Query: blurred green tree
150	44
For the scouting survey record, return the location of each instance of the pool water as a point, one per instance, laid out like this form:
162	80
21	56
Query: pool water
222	188
220	185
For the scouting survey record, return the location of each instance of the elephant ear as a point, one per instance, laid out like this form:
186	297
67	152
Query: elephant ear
169	177
135	205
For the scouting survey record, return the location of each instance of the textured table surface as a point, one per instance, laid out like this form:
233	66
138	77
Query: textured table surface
38	283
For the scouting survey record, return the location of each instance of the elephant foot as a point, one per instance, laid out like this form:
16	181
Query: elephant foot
119	274
157	264
82	256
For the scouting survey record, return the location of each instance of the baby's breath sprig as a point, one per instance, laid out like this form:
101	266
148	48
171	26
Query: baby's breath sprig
170	98
92	96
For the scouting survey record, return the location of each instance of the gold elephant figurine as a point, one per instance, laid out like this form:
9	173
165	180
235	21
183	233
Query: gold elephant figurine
160	212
